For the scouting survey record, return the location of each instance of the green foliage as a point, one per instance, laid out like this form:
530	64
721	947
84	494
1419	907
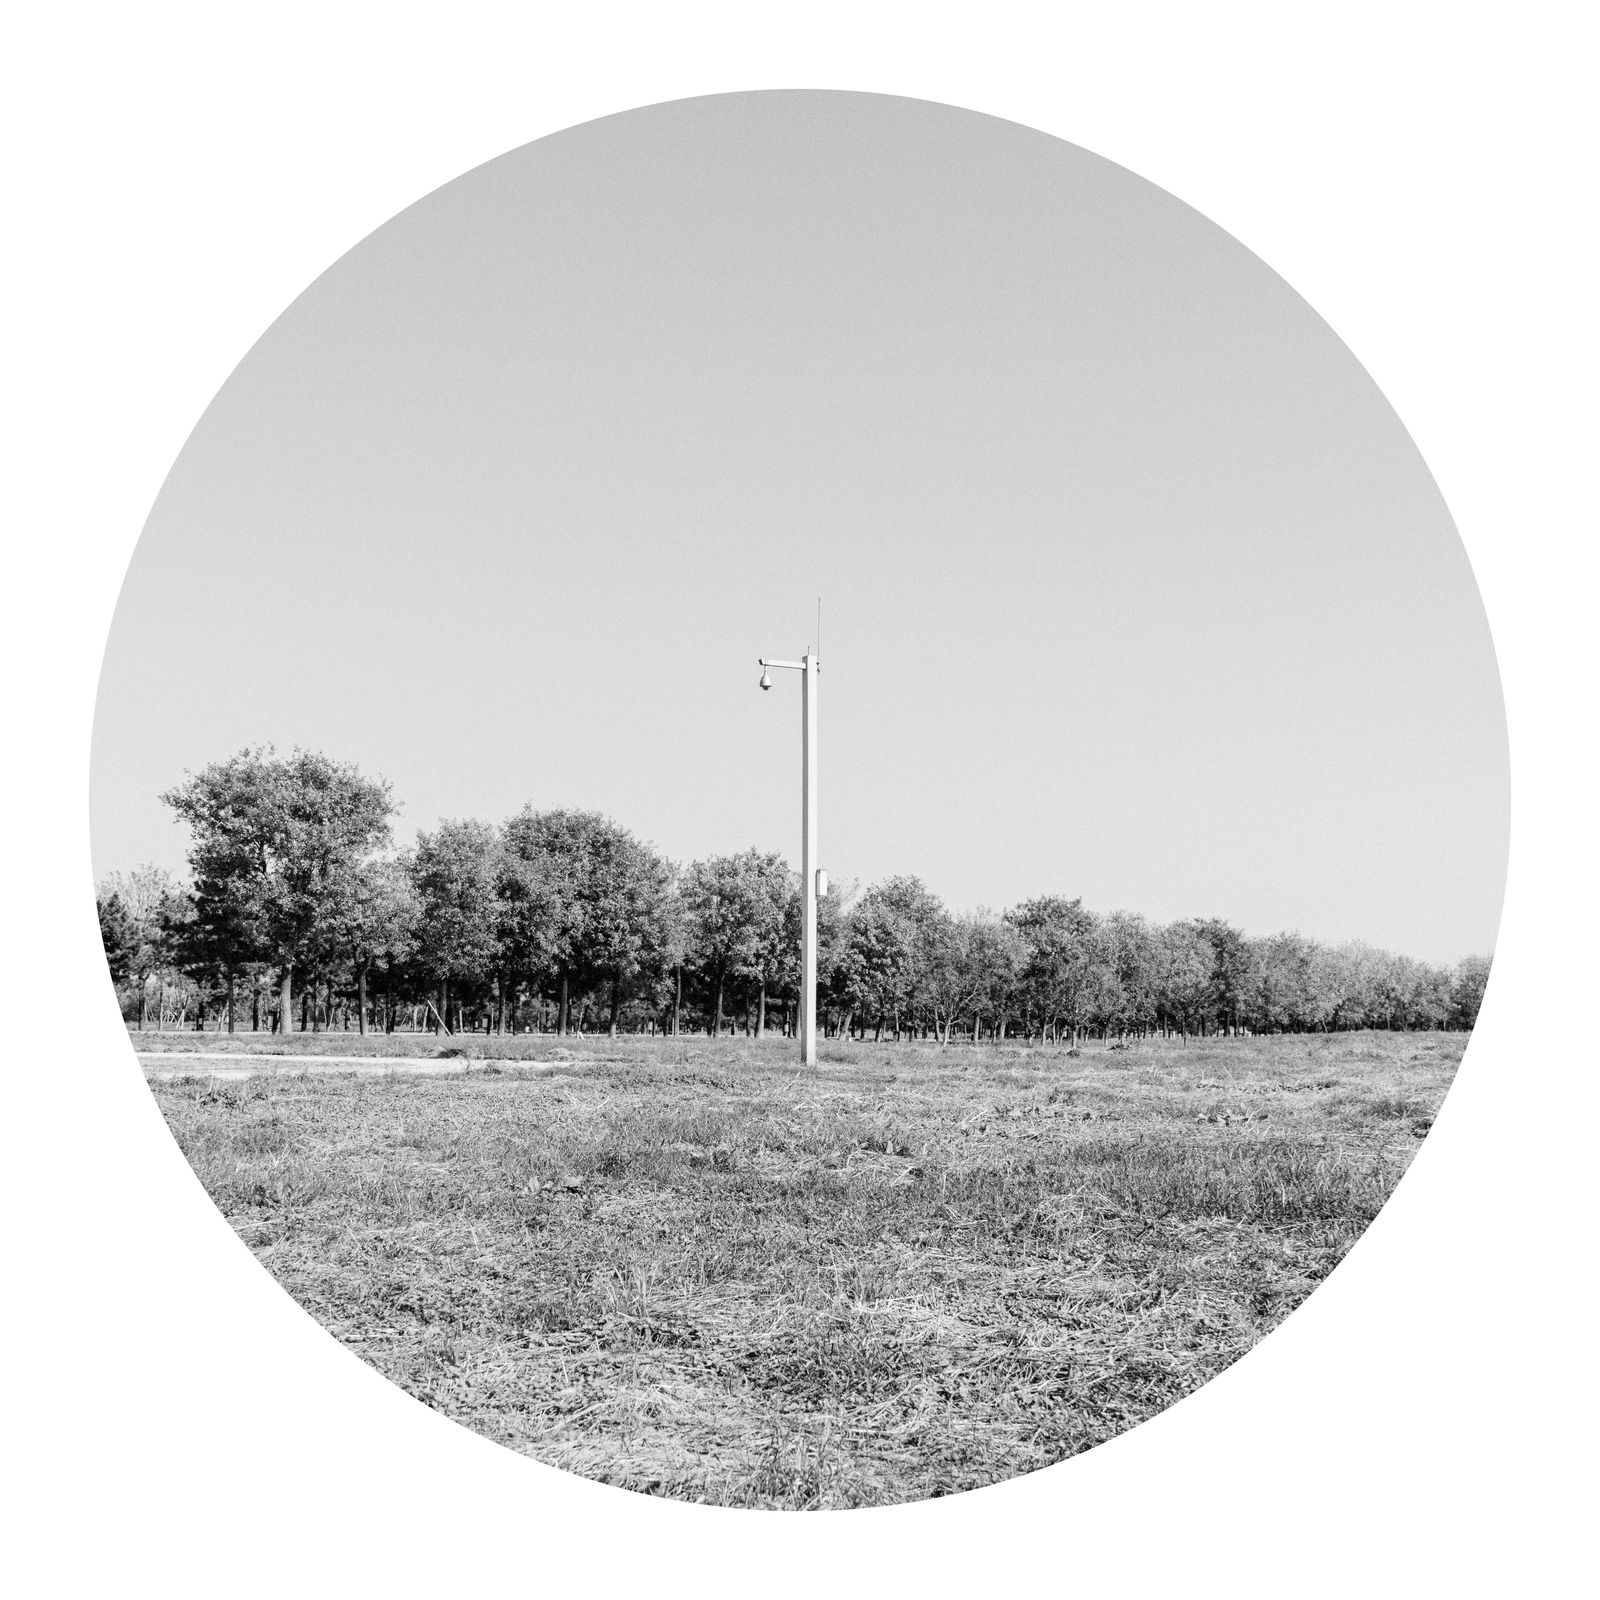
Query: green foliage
381	918
600	899
1062	981
140	915
893	932
116	933
456	875
276	848
289	872
532	916
740	921
1466	990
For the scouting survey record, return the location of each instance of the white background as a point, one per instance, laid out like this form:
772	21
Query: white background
1424	175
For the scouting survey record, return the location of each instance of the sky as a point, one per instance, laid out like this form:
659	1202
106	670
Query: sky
1134	587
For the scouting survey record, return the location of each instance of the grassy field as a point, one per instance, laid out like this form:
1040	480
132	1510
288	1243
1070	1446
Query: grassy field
693	1270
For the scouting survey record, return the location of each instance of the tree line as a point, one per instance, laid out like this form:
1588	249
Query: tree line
300	915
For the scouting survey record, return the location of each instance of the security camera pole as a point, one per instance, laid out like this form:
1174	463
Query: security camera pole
813	882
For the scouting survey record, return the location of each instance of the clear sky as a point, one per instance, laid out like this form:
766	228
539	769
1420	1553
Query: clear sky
1134	586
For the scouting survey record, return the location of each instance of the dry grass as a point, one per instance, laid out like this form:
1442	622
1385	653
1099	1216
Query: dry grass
693	1270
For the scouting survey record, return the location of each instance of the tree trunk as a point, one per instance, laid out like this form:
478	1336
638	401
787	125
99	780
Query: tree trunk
716	1029
761	1011
564	1016
677	1004
361	1001
286	999
616	1002
230	1000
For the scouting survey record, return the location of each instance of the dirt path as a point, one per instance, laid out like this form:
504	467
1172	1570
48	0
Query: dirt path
193	1063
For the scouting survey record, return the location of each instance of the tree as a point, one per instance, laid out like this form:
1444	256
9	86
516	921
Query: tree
1059	979
1344	983
834	911
213	936
998	954
611	920
148	897
1127	952
1184	965
379	919
1415	994
735	911
970	965
1467	984
278	843
117	934
772	961
627	926
1279	989
199	950
890	935
532	915
1229	967
289	876
456	874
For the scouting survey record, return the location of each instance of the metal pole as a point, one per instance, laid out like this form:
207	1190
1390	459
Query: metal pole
808	859
808	669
